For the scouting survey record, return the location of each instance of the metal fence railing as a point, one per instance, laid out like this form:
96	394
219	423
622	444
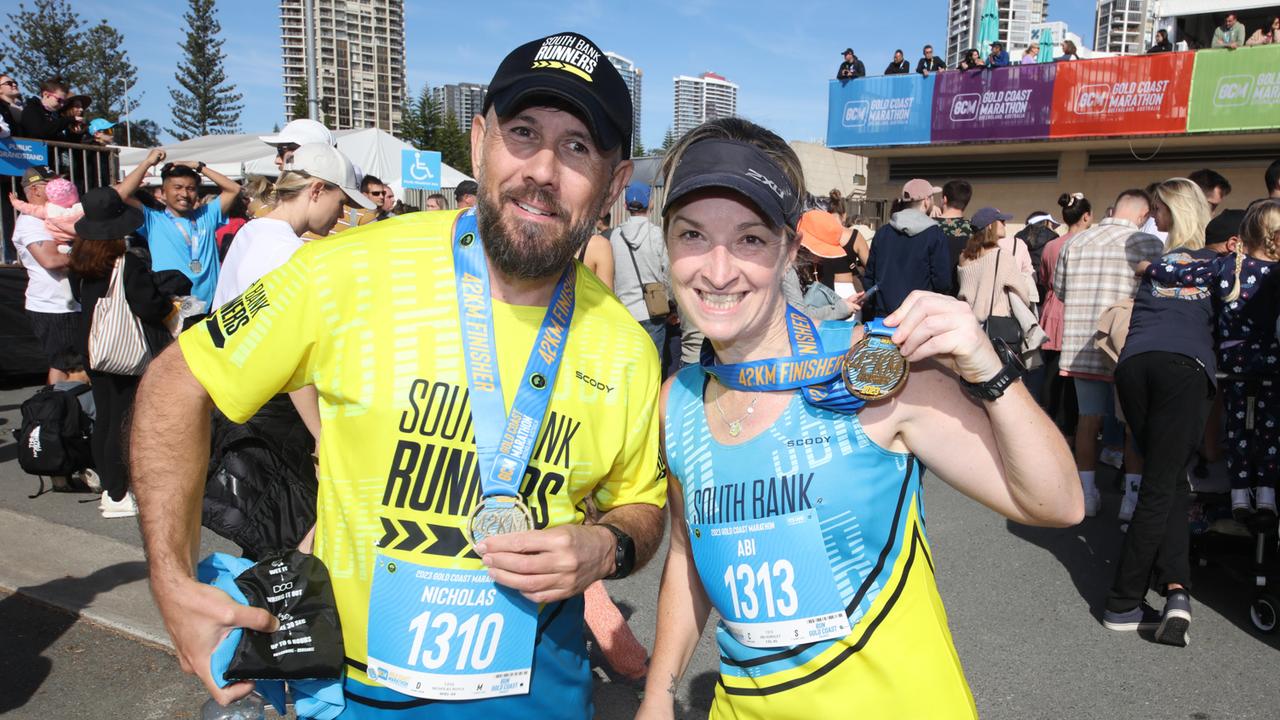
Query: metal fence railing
88	166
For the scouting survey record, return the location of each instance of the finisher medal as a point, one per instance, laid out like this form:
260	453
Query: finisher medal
498	515
196	266
874	368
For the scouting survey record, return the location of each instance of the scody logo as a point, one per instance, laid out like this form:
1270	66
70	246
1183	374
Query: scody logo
1092	99
855	113
1233	90
964	107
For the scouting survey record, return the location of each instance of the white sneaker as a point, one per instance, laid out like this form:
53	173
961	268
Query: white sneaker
1265	498
90	478
1092	500
126	507
1241	503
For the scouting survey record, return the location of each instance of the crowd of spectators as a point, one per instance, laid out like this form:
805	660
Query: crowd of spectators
1230	34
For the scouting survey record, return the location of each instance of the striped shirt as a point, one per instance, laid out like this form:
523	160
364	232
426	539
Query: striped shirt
1095	270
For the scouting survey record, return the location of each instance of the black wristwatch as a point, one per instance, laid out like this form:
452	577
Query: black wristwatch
1010	373
199	167
624	553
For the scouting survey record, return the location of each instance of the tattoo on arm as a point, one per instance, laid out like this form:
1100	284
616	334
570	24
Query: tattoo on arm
671	689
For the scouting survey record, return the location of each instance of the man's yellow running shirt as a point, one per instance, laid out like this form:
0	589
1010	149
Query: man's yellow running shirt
370	319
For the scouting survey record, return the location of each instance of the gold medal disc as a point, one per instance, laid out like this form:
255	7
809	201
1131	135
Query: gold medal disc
874	368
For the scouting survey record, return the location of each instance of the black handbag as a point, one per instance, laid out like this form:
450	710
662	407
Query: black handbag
1005	327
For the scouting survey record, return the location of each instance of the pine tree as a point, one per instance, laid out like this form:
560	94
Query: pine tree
300	109
668	141
421	125
637	148
44	42
141	134
108	74
205	103
454	145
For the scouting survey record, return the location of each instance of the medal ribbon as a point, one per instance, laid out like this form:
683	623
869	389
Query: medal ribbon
817	374
191	241
503	448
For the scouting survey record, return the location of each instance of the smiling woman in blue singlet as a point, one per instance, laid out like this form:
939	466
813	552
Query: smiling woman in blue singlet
795	473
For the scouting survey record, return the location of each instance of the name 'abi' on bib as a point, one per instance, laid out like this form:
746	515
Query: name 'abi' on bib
874	368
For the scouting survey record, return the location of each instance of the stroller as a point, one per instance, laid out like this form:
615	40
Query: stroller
1249	552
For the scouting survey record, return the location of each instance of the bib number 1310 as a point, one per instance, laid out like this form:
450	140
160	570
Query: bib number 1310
767	589
476	640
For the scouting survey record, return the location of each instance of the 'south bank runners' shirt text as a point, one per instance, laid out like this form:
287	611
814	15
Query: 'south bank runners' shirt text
371	320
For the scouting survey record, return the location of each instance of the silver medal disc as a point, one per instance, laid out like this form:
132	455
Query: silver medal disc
498	515
195	266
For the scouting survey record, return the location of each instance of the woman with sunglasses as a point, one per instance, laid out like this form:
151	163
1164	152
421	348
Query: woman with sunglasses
796	503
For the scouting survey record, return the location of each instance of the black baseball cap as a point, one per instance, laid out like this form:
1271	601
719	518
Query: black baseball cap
1224	227
740	167
569	67
988	215
847	51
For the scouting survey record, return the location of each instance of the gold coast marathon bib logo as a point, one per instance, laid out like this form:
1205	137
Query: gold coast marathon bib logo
570	53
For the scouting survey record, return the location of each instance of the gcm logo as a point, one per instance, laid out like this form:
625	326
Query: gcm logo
1092	99
855	113
964	108
1233	90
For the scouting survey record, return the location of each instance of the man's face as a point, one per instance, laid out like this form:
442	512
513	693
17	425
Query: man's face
543	182
388	200
1230	21
433	204
180	194
284	153
897	57
376	193
848	57
1214	197
53	100
35	194
928	52
8	89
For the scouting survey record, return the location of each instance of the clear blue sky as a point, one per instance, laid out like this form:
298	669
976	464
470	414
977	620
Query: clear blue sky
781	54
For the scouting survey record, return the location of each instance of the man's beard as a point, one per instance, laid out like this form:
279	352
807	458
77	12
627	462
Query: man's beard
530	251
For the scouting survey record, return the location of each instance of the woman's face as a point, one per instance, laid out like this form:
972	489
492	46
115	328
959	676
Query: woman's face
726	266
1000	227
1160	211
326	203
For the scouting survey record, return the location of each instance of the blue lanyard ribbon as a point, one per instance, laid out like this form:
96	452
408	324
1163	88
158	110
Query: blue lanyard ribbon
817	374
504	448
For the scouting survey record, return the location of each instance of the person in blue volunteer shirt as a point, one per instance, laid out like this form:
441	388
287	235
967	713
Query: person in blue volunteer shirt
181	236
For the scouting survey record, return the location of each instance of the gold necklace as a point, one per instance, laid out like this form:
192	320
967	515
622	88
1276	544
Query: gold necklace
735	426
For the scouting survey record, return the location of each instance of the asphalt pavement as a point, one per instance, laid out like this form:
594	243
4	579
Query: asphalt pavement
81	638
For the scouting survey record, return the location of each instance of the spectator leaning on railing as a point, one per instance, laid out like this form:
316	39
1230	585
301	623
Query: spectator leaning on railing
998	56
1230	34
42	117
899	66
930	62
1270	35
1162	44
10	104
852	68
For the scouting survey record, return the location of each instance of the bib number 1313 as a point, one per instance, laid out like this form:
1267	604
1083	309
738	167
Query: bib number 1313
767	590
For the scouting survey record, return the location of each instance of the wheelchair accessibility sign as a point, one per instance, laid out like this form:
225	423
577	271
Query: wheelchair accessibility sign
420	169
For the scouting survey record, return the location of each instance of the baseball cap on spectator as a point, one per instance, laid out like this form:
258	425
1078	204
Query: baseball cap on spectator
323	162
302	131
820	233
1224	227
847	51
998	44
569	67
987	215
638	195
917	190
37	174
1041	216
98	125
466	187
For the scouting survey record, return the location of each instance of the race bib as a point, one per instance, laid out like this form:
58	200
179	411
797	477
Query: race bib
770	580
446	634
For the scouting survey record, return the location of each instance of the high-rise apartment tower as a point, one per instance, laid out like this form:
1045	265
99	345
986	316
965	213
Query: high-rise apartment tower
1016	17
699	99
633	76
1124	26
359	60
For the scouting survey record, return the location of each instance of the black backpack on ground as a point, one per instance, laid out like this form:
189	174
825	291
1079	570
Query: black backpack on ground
260	492
54	436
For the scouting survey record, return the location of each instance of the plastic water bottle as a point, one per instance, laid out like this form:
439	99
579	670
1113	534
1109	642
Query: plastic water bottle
249	707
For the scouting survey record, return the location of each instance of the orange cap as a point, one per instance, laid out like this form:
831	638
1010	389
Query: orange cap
822	232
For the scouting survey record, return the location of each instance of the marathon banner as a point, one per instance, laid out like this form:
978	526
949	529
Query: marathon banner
1135	95
885	110
1013	103
1235	89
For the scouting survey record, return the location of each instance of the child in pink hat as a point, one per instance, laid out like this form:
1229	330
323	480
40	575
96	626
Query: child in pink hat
61	211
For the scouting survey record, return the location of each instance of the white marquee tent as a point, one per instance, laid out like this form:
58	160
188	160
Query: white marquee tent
373	151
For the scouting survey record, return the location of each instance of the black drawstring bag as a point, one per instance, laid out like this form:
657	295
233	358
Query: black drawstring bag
295	587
